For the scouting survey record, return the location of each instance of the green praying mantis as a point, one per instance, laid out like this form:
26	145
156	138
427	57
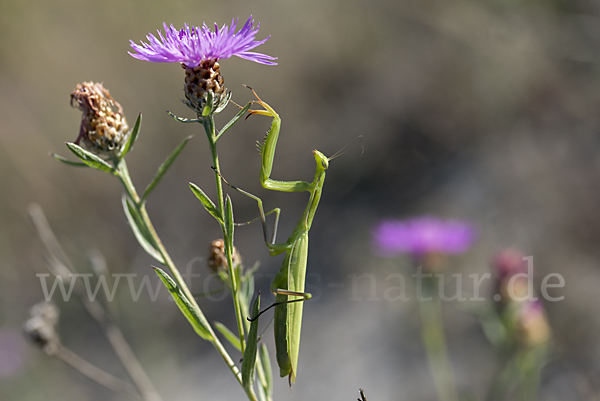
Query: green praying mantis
288	284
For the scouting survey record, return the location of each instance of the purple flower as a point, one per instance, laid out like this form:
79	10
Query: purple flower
423	235
191	45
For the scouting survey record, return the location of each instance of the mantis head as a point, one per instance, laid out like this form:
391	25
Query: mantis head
321	159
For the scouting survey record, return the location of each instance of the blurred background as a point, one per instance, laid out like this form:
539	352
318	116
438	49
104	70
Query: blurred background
482	110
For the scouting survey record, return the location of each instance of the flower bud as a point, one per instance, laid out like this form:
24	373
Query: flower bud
532	325
507	264
201	80
104	129
217	259
39	329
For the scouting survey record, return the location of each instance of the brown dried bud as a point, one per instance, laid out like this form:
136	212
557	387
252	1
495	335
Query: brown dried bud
217	259
199	81
39	329
103	128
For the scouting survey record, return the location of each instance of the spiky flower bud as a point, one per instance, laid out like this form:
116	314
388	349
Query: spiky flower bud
39	329
201	80
217	259
104	129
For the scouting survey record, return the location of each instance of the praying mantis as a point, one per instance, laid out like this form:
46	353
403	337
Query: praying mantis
288	284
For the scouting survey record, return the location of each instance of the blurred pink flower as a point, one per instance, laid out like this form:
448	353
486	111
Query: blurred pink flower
423	235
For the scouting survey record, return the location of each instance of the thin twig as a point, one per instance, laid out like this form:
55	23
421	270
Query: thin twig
94	373
61	265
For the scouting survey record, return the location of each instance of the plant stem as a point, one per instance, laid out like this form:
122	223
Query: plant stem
432	335
209	127
94	373
125	178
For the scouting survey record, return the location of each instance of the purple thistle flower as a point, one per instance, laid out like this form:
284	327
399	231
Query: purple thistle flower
192	45
423	235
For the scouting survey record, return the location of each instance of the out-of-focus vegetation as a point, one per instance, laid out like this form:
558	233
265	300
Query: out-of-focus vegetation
482	110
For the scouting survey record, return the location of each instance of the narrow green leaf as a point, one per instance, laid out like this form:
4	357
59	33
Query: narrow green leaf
234	119
66	161
249	361
229	220
165	167
90	159
193	315
132	137
261	391
185	120
137	226
266	380
206	202
229	336
247	288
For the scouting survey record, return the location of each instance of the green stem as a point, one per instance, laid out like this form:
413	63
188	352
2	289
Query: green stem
530	364
432	335
123	174
209	127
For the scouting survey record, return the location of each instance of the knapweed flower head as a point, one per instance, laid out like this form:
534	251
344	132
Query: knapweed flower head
103	127
422	236
198	49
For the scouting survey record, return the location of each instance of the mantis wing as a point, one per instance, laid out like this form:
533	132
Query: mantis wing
288	315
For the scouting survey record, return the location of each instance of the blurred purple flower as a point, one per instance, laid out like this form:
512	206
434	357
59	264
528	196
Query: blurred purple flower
191	45
13	353
423	235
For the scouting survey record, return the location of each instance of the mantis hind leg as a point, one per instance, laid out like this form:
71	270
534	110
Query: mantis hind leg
305	297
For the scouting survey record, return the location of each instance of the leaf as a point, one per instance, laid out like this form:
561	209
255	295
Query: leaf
132	137
234	119
140	232
266	380
90	159
193	315
229	336
165	167
229	221
249	361
185	120
69	162
206	202
261	392
247	287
